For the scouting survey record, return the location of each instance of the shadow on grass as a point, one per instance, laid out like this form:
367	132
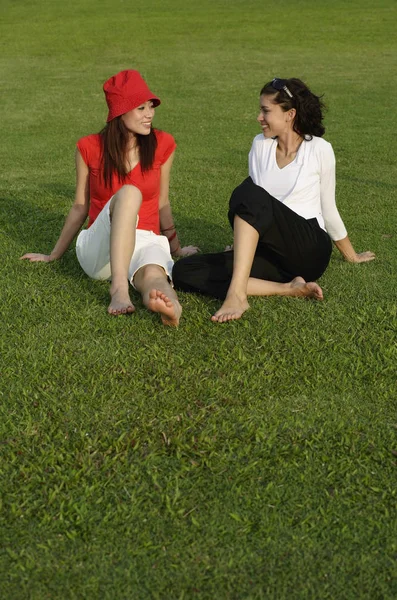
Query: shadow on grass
208	236
35	227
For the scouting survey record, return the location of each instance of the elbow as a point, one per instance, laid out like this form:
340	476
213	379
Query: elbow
335	229
83	208
163	202
339	240
81	211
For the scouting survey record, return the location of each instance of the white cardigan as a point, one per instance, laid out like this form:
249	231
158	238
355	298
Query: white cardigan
306	186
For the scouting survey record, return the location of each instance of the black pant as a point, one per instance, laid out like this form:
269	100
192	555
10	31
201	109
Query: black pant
288	246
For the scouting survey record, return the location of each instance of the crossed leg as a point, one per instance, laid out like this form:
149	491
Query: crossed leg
297	288
157	293
242	285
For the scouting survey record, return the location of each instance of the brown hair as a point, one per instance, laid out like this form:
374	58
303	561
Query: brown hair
115	136
308	106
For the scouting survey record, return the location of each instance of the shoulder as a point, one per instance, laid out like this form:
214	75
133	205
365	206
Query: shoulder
260	143
90	149
165	145
260	140
164	138
321	149
90	141
320	145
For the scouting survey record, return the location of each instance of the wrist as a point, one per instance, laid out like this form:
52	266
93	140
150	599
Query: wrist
171	237
177	250
351	258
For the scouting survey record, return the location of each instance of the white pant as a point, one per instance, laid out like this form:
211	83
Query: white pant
93	249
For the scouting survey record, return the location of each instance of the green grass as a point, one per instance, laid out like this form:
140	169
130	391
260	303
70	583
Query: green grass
247	461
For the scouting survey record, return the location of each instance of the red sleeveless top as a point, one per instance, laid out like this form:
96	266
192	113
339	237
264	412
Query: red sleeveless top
90	148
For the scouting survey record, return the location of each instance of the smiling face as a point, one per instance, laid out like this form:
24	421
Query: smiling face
272	119
139	120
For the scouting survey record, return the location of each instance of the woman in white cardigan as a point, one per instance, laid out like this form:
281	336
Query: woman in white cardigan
284	214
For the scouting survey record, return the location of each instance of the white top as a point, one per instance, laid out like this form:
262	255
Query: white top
306	185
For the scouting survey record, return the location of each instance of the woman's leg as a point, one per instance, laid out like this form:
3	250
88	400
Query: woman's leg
124	208
157	293
208	274
242	285
295	245
292	243
290	252
297	288
245	244
211	275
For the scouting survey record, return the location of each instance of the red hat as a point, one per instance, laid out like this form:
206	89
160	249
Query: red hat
125	91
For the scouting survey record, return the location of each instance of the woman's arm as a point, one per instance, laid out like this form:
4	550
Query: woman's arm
75	219
166	220
346	249
333	222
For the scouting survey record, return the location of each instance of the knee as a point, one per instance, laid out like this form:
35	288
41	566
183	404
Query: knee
127	195
129	191
148	273
179	270
185	270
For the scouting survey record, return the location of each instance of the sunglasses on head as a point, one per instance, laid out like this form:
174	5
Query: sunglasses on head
280	84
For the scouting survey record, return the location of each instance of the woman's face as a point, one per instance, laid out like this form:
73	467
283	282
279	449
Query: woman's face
139	120
272	119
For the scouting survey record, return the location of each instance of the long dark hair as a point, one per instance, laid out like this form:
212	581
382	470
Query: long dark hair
115	137
309	107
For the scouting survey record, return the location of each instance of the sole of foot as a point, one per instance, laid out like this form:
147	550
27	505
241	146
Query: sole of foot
169	311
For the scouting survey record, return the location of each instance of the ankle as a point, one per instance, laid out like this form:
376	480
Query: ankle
119	285
236	293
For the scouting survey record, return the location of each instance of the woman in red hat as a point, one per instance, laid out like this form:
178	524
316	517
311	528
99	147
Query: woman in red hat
122	185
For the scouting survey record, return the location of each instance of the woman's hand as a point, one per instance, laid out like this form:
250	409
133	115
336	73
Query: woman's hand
75	219
33	257
186	251
348	252
362	257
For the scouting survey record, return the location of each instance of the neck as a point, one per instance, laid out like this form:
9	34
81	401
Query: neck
289	142
132	141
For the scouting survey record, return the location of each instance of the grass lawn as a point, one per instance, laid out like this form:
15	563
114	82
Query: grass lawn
252	460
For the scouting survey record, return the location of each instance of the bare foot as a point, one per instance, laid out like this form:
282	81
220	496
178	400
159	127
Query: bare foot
299	287
120	303
233	308
170	311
